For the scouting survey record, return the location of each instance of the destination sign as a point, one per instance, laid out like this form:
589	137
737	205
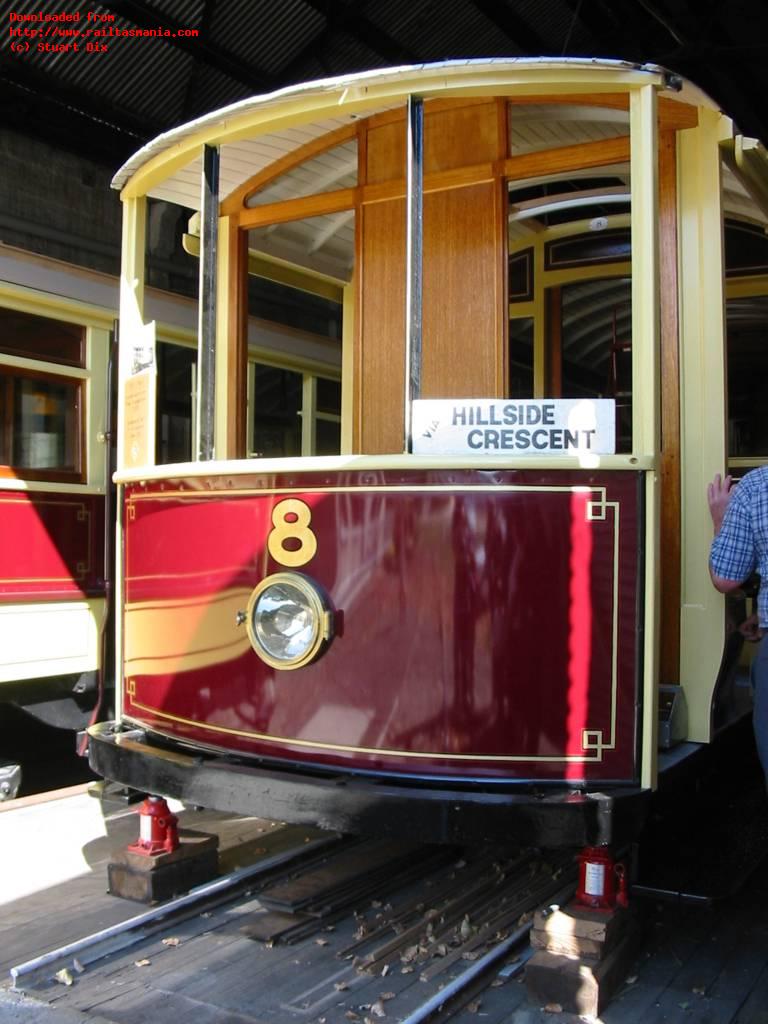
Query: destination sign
482	426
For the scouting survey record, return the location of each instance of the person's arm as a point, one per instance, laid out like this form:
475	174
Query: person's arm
719	495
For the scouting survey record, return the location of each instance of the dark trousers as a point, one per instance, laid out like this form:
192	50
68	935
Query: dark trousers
760	708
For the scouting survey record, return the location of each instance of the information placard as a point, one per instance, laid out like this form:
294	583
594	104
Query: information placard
490	426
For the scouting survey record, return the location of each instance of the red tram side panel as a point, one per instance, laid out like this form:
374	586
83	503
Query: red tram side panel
51	545
488	624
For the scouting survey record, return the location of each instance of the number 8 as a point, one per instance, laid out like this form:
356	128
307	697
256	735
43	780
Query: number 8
296	528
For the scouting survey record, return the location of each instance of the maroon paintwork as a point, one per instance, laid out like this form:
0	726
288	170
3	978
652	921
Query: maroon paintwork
51	545
489	621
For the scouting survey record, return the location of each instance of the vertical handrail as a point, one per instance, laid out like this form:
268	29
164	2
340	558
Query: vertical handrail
414	257
206	338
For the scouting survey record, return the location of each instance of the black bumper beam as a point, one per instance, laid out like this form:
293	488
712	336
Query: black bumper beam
345	802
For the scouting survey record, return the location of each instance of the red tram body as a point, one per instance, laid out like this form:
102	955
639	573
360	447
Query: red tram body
455	646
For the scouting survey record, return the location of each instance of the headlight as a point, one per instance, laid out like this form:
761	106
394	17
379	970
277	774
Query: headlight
289	620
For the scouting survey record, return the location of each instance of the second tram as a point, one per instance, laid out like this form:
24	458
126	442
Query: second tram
463	592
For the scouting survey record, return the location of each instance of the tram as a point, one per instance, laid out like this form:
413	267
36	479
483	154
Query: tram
461	593
54	354
57	516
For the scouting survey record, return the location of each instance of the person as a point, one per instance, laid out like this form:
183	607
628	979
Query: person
740	549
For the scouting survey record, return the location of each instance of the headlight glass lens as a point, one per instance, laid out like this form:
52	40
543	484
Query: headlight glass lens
289	620
284	622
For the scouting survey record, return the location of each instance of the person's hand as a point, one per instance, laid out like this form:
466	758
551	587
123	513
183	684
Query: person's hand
750	629
719	493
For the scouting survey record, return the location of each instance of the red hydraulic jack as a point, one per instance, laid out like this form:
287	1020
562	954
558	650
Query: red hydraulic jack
158	831
602	880
584	950
165	861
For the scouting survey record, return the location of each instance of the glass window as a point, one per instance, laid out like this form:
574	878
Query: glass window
521	357
596	347
40	419
176	367
37	337
328	396
747	327
277	405
327	437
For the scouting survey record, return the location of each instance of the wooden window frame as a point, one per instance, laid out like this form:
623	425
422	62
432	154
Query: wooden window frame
8	374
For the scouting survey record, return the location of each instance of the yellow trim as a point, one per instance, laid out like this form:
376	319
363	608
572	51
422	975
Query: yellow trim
645	272
368	463
272	268
702	408
746	287
344	748
365	96
28	300
651	634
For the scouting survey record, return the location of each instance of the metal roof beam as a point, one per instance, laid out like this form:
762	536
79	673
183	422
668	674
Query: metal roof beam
342	17
197	47
514	27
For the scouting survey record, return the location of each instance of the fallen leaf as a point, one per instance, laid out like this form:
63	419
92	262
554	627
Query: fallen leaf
341	986
471	954
386	996
553	1008
64	977
172	942
407	969
632	979
498	982
351	1015
474	1006
142	963
699	990
378	1009
322	942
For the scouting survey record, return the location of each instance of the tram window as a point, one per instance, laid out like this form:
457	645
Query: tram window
40	424
595	347
38	337
328	396
277	407
521	357
747	332
176	366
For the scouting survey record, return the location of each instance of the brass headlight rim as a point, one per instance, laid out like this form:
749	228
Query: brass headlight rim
319	604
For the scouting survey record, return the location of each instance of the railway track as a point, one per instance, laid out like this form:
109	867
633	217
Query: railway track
337	929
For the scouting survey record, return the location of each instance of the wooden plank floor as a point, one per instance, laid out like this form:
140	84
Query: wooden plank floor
707	965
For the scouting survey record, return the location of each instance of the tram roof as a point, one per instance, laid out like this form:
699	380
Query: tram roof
169	166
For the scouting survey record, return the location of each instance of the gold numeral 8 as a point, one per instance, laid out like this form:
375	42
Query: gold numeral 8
290	521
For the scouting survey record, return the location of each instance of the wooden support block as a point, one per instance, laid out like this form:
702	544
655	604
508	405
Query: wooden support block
161	876
579	931
581	985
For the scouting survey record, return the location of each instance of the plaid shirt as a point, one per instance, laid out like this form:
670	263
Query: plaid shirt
741	546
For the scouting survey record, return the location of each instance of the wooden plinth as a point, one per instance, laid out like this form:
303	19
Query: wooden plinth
582	956
161	876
